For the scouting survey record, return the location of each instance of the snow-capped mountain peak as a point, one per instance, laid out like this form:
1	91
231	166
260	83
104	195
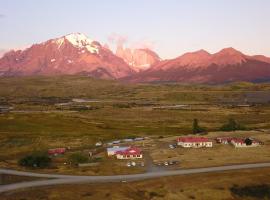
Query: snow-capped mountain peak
80	41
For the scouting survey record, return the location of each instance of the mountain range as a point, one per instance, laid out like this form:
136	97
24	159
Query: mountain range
77	54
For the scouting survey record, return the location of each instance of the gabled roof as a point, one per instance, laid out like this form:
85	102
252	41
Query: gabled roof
130	151
192	139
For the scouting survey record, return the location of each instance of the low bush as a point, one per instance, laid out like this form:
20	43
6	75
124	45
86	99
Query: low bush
232	125
77	158
37	160
254	191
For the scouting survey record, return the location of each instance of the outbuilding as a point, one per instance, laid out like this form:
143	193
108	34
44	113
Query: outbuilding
130	153
224	140
194	142
112	150
56	151
247	142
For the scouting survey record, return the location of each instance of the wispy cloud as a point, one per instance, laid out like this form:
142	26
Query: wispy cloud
123	40
117	39
2	16
144	44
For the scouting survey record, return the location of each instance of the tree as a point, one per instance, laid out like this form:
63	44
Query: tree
196	128
232	125
39	160
248	141
77	158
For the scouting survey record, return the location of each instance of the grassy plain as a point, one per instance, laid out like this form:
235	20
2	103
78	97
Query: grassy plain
213	186
45	115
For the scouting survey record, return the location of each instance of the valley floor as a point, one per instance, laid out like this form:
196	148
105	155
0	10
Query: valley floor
239	184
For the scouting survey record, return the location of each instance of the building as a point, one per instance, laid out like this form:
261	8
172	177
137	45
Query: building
112	150
245	142
99	144
130	153
128	140
194	142
56	151
224	140
116	142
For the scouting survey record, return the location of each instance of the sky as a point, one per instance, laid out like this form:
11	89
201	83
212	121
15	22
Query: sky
170	27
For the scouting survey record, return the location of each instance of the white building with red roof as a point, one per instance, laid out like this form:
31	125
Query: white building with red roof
224	140
130	153
245	142
194	142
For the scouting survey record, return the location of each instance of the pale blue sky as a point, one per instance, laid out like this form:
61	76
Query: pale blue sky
171	26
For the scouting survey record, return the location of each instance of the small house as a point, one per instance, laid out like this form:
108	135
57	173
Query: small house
139	139
194	142
98	144
223	140
56	151
246	142
130	153
128	140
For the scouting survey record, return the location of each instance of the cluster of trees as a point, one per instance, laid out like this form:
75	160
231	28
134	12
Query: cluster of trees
77	158
231	125
37	160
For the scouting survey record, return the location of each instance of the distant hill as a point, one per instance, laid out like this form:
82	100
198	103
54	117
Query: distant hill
228	65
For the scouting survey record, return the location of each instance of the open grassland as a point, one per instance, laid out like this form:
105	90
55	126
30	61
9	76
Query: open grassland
220	154
213	186
45	115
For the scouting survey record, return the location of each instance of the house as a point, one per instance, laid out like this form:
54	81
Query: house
128	140
56	151
223	140
139	139
245	142
130	153
99	144
112	150
116	142
194	142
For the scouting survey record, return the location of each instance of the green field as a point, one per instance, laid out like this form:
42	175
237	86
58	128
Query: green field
44	115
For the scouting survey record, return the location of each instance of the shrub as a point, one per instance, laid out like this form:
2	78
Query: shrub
39	160
248	141
196	128
257	191
232	125
77	158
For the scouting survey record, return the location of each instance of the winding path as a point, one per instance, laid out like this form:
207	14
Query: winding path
70	179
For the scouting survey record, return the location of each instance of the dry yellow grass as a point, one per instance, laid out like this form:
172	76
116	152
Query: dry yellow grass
220	154
209	186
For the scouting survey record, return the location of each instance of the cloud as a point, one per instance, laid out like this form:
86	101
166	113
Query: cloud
2	16
143	44
117	39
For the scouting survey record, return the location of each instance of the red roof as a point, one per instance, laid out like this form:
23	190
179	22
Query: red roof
242	140
193	139
225	138
57	151
238	140
130	151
